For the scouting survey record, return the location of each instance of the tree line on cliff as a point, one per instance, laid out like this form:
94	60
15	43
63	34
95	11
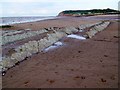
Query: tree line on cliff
88	12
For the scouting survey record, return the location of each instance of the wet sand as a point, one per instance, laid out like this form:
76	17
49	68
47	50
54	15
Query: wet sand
91	63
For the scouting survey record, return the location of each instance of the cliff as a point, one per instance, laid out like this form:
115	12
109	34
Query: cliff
88	12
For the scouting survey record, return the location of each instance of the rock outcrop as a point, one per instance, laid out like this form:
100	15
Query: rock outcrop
35	46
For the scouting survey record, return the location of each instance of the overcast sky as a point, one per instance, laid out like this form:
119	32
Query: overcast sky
50	7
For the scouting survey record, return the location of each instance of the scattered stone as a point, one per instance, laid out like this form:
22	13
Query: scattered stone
17	63
11	76
79	51
56	72
11	51
112	77
105	55
56	65
103	80
50	81
101	61
103	66
77	77
72	69
116	36
82	77
26	83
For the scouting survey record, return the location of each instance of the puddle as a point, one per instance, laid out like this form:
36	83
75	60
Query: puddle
49	48
76	36
55	45
58	43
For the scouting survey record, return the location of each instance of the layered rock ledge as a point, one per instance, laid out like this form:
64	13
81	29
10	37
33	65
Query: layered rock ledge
16	54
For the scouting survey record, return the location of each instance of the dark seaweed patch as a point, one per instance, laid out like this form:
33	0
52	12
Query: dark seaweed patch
6	26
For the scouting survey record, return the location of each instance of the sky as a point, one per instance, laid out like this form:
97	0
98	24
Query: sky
10	8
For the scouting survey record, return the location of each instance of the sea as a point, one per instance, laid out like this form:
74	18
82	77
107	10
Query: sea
14	20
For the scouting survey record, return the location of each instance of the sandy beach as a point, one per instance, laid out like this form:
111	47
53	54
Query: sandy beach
90	63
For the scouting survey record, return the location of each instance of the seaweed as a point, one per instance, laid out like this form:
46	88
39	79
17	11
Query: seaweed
6	26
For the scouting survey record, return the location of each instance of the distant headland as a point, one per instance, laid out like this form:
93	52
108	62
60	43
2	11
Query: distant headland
88	12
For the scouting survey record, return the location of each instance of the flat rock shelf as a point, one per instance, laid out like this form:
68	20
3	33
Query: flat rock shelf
51	40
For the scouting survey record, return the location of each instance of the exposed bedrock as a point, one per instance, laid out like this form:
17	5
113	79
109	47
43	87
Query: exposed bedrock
96	29
19	35
35	46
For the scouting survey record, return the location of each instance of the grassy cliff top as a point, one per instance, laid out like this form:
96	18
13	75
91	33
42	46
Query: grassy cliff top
86	12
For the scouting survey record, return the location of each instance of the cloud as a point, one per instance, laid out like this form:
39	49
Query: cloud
59	1
51	7
38	0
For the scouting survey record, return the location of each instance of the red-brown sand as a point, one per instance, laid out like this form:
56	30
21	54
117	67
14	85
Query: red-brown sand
91	63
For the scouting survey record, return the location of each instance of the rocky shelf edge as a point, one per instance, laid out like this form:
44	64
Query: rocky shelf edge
13	36
32	47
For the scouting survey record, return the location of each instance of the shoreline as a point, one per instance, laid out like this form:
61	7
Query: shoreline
57	18
27	21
